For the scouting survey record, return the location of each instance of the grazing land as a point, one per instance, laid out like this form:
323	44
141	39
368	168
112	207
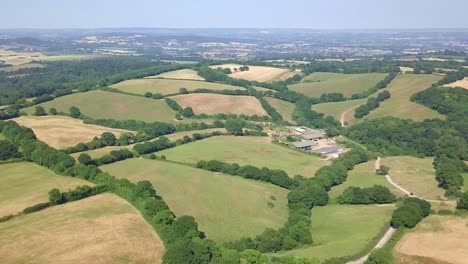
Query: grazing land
98	229
184	74
205	103
399	105
256	151
344	230
226	207
24	184
415	175
96	153
286	109
62	132
340	110
99	104
460	83
319	83
437	239
168	86
465	180
362	176
257	73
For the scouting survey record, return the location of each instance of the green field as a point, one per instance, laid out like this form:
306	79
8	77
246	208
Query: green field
99	104
225	207
339	109
399	105
23	184
98	229
2	136
415	175
22	66
319	83
362	176
465	181
344	230
286	109
256	151
168	86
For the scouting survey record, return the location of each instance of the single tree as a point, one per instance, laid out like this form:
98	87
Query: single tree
53	111
40	111
75	112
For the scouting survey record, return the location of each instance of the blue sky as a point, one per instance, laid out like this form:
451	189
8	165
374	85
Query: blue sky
324	14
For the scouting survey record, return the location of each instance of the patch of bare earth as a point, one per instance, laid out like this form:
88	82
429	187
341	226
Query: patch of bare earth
98	229
218	103
62	132
460	83
436	239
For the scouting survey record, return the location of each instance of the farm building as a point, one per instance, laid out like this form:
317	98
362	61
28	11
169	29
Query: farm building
304	145
316	135
328	150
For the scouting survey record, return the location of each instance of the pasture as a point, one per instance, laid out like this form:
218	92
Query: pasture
62	132
341	111
437	239
362	175
465	180
343	230
168	86
415	175
225	207
102	105
98	229
256	151
258	73
184	74
96	153
23	184
211	104
460	83
286	109
399	105
318	83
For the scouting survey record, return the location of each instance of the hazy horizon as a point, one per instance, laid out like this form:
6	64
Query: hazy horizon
241	14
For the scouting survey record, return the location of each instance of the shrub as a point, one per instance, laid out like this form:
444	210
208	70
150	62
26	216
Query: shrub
35	208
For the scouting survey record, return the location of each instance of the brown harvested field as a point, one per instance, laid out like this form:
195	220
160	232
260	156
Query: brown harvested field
406	69
62	132
218	103
437	239
184	74
460	83
96	153
98	229
257	73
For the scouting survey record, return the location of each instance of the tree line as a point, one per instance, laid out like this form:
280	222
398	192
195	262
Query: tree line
371	104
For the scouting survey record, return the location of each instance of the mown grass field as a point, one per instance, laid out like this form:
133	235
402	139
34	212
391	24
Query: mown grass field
168	86
258	73
98	229
206	103
399	105
62	132
343	109
286	109
319	83
99	104
465	180
96	153
344	230
362	176
416	175
436	239
225	207
184	74
256	151
23	184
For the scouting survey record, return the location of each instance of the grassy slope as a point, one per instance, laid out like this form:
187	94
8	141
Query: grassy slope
284	108
335	109
399	105
98	229
319	83
247	151
362	176
183	74
168	86
226	207
343	230
23	184
414	174
465	181
99	104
